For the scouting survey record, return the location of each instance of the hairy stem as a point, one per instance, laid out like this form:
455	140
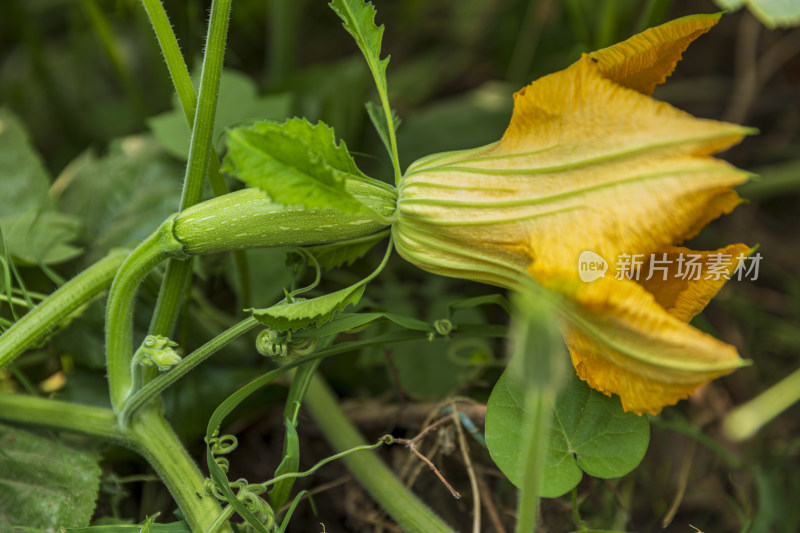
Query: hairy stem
153	437
58	306
55	414
199	154
119	311
173	56
179	73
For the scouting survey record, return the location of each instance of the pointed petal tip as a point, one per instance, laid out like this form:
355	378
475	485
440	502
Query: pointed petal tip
648	58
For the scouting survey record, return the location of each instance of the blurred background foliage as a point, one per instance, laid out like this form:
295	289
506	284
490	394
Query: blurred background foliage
85	79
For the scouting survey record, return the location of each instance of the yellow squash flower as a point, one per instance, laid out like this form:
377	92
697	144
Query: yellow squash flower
591	162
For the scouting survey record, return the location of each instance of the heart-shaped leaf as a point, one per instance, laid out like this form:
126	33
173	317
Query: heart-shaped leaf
590	433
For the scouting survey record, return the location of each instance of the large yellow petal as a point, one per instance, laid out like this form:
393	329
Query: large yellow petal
623	342
585	165
683	281
648	58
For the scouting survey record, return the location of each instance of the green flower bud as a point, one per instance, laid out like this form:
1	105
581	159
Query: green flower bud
157	351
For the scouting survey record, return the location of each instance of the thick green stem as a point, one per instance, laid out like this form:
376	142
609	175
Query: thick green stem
199	153
179	74
55	414
58	306
119	311
154	439
381	483
173	57
170	296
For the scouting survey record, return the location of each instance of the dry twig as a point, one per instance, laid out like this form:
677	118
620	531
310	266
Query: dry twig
411	444
473	482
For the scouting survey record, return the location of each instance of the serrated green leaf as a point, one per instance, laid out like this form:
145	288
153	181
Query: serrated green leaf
381	125
321	141
296	163
334	255
590	433
44	483
359	21
35	232
300	313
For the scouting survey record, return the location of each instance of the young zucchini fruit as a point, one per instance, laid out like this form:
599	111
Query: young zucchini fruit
250	219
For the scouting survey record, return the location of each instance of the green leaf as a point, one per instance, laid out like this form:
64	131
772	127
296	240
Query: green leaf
590	433
321	141
44	483
334	255
290	463
42	237
296	163
35	232
238	102
25	181
122	196
359	21
783	13
300	313
378	119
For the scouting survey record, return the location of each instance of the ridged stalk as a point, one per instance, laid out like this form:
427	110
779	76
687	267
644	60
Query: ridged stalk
57	307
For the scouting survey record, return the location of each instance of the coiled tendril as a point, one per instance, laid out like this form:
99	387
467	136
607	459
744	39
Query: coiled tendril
279	344
443	328
247	493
